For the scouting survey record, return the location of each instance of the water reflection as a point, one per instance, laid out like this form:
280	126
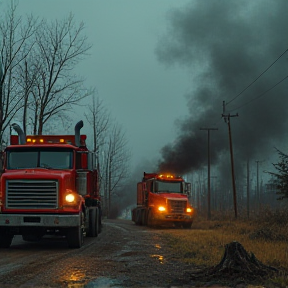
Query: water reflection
159	257
75	279
101	282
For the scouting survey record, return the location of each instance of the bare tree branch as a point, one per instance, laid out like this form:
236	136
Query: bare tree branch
60	46
16	43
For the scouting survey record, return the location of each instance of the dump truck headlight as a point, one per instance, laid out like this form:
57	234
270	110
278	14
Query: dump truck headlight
161	208
189	210
70	198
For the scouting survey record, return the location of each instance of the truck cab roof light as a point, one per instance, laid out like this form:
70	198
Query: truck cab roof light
48	139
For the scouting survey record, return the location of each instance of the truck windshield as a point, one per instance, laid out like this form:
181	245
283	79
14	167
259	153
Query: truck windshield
40	158
174	187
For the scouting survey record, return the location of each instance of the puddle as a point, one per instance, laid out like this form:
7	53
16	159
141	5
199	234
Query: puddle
160	258
101	282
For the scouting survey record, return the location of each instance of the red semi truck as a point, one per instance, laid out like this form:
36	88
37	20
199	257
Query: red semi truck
49	186
163	199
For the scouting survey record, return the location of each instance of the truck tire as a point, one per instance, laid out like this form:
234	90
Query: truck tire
187	225
138	217
143	217
93	222
5	241
75	236
99	220
150	222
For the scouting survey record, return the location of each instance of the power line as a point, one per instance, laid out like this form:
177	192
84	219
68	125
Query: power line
259	96
262	94
257	77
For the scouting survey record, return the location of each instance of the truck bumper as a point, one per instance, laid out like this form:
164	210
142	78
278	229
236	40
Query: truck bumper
39	220
173	217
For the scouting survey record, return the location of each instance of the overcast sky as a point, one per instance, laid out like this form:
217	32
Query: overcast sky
157	62
142	94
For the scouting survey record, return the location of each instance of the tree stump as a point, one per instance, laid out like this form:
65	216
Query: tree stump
236	266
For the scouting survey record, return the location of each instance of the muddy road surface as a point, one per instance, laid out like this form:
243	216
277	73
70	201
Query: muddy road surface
123	255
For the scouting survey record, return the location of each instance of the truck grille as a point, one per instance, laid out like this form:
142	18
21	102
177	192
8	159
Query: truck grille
177	206
32	194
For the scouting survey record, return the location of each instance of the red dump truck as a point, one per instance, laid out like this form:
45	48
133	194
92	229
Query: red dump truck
49	186
163	199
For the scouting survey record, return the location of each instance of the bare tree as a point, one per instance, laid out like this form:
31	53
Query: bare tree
15	44
98	117
117	157
59	47
37	63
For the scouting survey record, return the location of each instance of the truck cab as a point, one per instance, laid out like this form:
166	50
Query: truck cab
163	199
48	186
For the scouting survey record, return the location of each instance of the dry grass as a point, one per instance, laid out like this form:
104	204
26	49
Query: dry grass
203	245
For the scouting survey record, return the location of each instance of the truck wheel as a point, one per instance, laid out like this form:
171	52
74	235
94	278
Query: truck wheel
143	217
5	241
93	222
75	237
97	222
187	225
138	217
150	222
100	220
178	224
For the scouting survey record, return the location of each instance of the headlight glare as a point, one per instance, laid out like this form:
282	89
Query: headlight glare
189	210
161	208
70	198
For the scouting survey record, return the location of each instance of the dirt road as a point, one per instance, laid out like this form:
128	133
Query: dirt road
123	255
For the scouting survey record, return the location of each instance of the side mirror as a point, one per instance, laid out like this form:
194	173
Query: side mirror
187	188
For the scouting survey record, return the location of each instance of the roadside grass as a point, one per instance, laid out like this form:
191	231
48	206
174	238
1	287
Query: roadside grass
203	245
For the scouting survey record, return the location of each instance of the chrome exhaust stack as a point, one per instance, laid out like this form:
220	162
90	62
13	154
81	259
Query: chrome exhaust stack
78	127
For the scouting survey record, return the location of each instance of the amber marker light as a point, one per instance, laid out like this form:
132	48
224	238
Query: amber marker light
161	208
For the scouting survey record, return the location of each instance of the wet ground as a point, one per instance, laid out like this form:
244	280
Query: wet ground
123	255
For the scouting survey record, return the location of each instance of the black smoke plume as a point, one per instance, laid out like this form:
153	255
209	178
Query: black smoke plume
226	45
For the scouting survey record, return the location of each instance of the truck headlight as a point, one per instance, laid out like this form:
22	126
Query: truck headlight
70	198
189	210
161	208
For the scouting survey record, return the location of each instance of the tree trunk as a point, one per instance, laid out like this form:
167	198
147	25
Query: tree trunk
236	266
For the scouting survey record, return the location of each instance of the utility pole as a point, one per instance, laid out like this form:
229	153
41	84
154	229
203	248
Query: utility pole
214	199
209	189
248	190
257	183
227	120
